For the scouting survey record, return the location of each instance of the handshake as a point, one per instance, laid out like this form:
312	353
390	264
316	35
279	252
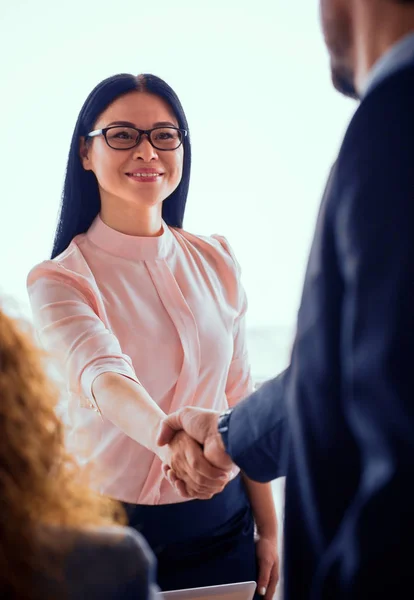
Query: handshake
194	458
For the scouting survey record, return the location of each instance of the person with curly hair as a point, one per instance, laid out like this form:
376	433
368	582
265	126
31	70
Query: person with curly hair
58	538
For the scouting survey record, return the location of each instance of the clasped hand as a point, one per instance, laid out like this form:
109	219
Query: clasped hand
195	462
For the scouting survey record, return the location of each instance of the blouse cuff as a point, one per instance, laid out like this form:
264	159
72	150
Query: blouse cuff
97	367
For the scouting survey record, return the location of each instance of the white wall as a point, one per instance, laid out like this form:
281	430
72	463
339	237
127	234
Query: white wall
253	78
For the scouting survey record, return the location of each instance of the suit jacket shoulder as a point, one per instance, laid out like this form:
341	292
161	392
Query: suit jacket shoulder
105	564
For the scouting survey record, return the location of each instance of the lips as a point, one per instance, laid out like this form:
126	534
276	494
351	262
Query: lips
144	172
145	175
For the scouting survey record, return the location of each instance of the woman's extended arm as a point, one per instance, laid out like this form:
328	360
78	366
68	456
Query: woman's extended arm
103	378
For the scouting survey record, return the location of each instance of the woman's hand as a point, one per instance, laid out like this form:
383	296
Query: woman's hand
268	562
189	471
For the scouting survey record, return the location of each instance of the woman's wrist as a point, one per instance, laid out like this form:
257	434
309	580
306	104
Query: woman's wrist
267	528
268	533
164	454
263	506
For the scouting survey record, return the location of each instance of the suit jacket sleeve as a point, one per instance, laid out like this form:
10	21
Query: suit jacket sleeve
374	228
257	431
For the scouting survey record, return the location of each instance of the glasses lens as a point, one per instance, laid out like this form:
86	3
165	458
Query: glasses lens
166	138
121	137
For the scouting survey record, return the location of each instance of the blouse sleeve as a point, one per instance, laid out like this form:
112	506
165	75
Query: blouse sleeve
71	331
239	379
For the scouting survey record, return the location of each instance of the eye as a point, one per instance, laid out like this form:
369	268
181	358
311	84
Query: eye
165	135
166	138
122	133
121	138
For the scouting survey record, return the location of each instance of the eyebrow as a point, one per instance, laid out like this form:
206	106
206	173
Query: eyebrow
129	124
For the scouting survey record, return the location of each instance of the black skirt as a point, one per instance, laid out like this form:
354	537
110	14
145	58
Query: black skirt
200	542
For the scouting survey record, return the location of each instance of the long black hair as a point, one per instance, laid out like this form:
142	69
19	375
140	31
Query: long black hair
80	199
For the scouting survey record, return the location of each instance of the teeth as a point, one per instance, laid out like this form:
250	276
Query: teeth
145	174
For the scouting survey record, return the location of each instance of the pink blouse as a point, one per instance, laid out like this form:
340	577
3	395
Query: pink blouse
167	312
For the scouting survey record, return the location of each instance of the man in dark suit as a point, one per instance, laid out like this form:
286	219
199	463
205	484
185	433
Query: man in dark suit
339	423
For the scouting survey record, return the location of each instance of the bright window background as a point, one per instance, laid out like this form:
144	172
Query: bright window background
253	77
266	124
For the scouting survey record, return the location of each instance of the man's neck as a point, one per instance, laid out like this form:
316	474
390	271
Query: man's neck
377	28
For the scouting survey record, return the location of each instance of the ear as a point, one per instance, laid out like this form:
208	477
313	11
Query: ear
84	154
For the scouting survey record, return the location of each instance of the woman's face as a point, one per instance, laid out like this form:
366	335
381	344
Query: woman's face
118	171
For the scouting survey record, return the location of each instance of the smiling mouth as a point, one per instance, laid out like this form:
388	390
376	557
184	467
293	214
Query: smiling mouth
144	175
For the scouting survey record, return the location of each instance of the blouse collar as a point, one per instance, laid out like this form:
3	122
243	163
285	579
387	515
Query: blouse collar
130	246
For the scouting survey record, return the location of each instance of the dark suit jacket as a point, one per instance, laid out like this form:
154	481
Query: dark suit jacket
112	563
340	422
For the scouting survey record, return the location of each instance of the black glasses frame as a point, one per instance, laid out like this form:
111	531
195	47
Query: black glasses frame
140	133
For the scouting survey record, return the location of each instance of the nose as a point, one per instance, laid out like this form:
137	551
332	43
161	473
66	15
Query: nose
145	151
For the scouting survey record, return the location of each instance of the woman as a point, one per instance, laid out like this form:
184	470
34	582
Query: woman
58	539
147	318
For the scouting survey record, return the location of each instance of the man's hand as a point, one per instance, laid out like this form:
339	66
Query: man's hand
201	425
184	458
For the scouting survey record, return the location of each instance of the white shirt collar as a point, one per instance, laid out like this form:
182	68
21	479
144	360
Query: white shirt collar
397	57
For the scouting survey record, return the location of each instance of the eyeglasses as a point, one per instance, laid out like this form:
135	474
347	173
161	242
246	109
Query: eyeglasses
125	138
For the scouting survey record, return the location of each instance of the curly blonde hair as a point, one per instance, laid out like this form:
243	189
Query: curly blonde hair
40	483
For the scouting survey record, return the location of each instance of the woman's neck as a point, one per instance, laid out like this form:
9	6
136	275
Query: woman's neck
134	220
